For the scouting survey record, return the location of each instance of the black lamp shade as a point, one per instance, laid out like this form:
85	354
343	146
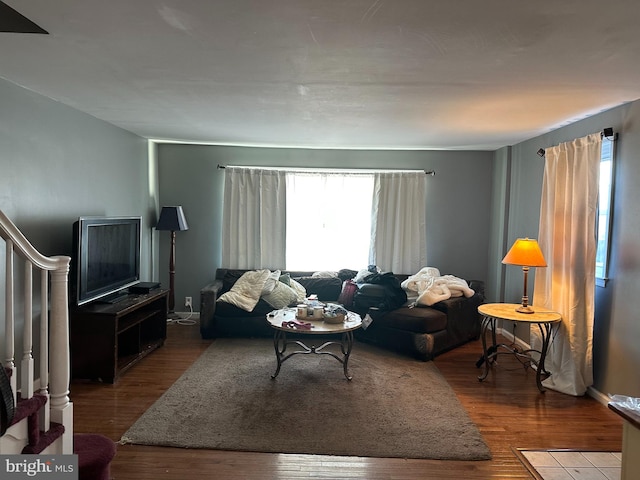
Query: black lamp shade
172	218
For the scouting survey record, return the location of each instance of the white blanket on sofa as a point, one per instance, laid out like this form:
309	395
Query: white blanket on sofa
429	287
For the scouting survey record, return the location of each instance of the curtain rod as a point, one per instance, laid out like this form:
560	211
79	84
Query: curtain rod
607	133
426	172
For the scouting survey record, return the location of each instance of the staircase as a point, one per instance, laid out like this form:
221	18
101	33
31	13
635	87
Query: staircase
35	295
27	414
43	418
95	452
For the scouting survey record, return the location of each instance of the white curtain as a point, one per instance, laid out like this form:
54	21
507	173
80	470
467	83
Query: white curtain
254	215
398	225
568	239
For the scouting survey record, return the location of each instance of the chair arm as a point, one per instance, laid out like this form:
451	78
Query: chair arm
463	319
208	297
478	287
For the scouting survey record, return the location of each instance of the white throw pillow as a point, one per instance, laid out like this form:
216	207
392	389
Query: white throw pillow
281	296
246	292
325	274
299	289
270	284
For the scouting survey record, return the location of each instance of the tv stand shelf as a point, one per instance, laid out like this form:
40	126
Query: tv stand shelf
108	339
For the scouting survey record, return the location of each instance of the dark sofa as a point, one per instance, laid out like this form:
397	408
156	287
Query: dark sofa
422	332
220	319
425	332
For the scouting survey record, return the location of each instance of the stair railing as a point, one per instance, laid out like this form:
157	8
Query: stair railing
53	356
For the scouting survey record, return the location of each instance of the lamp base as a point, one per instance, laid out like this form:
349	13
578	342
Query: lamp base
173	316
524	309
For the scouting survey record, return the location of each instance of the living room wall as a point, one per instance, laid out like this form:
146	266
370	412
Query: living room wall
616	347
458	203
58	164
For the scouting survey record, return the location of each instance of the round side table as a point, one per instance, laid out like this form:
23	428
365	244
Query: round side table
543	318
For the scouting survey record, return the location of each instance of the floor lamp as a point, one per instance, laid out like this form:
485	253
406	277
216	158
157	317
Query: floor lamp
172	219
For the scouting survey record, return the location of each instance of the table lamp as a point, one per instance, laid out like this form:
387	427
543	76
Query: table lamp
172	219
525	252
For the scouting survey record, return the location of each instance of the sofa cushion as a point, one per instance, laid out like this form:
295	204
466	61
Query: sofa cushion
416	319
228	310
246	292
327	288
230	278
347	274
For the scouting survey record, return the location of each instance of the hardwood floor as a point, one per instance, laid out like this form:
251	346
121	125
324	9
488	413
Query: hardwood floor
507	408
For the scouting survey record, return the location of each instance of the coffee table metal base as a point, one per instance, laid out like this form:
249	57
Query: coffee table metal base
280	344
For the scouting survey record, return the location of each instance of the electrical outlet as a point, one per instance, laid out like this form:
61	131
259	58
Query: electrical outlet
188	302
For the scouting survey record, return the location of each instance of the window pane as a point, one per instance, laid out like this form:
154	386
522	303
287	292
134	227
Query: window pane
605	192
328	221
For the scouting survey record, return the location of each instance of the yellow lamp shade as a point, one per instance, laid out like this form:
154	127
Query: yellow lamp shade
525	252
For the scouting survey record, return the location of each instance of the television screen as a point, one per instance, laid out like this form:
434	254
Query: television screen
107	256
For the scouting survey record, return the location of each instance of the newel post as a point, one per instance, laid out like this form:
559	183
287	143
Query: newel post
59	354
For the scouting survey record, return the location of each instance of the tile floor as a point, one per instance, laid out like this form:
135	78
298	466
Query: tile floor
573	465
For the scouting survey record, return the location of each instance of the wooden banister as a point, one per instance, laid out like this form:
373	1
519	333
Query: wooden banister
53	355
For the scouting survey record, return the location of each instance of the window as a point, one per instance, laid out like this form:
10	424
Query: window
307	219
605	204
328	220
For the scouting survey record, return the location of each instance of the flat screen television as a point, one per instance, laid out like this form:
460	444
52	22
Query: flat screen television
106	257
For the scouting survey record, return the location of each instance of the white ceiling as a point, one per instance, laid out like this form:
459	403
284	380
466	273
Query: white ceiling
462	74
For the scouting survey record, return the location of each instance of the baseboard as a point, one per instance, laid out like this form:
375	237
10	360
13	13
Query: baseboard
191	315
598	396
512	338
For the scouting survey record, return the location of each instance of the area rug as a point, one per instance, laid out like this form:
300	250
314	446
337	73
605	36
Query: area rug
393	407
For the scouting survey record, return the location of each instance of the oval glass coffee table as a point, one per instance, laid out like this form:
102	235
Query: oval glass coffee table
284	321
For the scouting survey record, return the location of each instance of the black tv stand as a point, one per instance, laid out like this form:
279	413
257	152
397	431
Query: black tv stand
108	339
